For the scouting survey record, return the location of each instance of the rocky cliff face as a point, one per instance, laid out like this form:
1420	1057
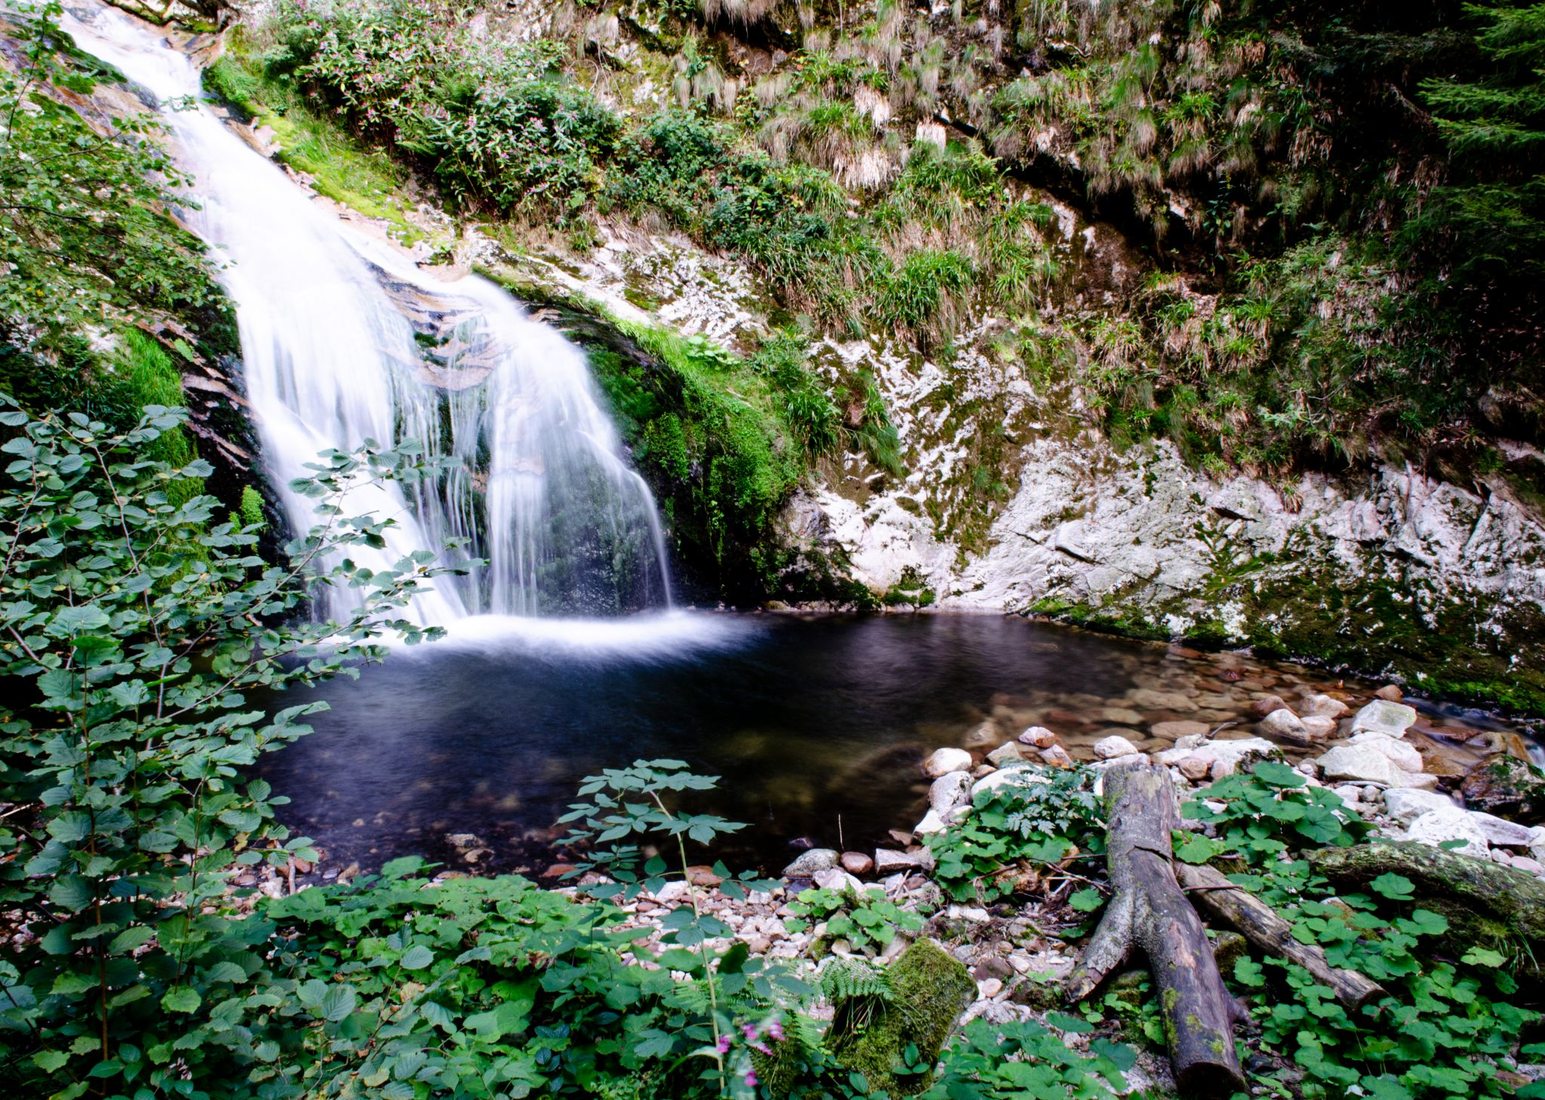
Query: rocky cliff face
1120	406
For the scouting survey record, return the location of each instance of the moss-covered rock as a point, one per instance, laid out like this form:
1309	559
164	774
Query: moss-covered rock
929	991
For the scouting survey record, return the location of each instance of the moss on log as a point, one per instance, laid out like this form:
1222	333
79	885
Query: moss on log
929	990
1483	901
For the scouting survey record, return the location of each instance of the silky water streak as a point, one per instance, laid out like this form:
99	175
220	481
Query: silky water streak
344	341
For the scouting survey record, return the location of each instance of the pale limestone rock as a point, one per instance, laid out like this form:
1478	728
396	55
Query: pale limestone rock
933	822
1017	777
1318	727
887	860
1324	706
1038	736
1223	757
1404	754
948	791
1383	716
946	760
1365	763
1005	753
1110	748
835	878
1501	832
1405	805
1436	827
1057	757
1285	725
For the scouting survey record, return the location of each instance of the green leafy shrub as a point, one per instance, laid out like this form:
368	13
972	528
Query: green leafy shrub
128	651
866	919
87	247
1039	820
1447	1027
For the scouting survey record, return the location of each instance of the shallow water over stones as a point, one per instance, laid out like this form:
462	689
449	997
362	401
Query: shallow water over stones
466	752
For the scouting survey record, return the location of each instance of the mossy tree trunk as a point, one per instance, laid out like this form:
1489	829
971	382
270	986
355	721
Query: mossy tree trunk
1484	902
1150	911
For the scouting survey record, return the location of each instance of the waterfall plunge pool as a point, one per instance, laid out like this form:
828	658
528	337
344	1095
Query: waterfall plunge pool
816	724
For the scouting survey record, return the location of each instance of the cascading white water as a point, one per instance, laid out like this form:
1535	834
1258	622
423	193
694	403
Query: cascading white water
344	340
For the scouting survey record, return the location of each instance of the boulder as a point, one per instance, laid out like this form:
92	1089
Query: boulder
1383	716
1003	754
1503	833
1366	763
1436	827
1223	757
928	991
1324	706
1404	754
1504	785
1022	776
946	760
1057	757
1390	692
888	860
811	863
948	791
1284	725
1404	805
856	863
835	878
980	735
1110	748
1266	704
1039	736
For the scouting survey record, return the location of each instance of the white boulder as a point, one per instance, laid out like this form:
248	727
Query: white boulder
1437	827
1383	716
1017	777
946	760
1114	746
948	791
1404	805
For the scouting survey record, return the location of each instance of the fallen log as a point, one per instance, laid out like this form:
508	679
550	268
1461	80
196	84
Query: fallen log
1150	911
1260	925
1484	902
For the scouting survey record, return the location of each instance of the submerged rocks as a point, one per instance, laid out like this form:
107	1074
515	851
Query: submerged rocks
1268	704
1175	730
946	760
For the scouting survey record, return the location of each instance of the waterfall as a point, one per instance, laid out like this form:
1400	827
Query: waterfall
344	341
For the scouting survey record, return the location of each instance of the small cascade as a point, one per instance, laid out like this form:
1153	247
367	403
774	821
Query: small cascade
344	341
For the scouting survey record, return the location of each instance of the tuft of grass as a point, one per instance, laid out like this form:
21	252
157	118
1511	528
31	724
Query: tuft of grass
339	166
